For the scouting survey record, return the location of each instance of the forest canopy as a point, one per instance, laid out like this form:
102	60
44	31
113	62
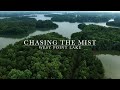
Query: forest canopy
113	23
23	25
107	38
46	24
22	62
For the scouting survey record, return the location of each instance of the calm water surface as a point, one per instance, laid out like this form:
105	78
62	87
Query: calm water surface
111	64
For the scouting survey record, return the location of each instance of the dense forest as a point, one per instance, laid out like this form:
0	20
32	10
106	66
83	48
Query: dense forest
107	38
115	23
17	25
23	25
78	18
24	62
18	61
46	24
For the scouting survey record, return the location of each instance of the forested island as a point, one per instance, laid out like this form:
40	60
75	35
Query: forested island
107	38
113	23
78	18
46	24
23	26
17	26
24	62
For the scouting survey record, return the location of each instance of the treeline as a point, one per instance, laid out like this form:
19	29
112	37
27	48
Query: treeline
23	25
107	38
16	13
46	24
113	23
17	26
78	18
24	62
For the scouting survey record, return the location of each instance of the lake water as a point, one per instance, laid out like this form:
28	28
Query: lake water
41	17
3	17
100	24
65	29
110	62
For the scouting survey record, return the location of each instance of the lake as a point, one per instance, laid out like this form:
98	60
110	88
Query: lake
65	29
110	62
